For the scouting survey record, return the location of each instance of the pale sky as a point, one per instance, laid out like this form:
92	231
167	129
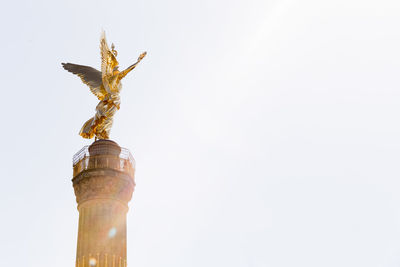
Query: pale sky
265	132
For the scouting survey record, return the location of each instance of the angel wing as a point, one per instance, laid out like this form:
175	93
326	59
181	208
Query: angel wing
108	60
89	76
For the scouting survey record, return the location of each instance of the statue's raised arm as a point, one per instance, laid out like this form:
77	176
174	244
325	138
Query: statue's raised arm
106	86
123	73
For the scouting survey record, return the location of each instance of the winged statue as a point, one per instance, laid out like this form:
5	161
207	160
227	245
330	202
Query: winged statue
106	86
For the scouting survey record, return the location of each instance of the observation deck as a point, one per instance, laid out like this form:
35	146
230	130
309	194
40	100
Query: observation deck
103	154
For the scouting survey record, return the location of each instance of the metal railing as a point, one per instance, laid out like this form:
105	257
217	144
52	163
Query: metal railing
84	152
82	160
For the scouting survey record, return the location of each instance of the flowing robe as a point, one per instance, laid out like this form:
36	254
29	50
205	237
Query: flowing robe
100	124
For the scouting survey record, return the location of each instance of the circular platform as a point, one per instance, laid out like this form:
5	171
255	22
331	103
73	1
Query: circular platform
104	147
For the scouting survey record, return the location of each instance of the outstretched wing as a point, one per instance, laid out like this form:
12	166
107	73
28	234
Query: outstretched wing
89	76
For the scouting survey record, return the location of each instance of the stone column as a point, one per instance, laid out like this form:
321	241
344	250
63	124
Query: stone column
103	184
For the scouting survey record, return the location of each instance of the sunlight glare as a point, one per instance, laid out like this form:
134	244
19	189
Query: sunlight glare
112	232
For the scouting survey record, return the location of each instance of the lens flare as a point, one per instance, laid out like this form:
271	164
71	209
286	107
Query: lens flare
112	232
92	262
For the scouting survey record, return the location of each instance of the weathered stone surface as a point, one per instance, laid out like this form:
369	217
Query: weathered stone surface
103	183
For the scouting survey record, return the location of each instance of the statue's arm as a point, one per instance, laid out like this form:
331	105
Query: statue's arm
123	73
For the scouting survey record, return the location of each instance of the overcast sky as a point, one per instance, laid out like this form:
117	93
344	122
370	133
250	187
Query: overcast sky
265	132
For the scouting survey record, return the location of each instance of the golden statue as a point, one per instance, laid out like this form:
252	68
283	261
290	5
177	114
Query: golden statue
106	85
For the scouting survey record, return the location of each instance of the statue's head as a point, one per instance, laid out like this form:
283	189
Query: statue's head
115	53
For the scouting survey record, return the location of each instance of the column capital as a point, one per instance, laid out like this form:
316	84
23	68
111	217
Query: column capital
103	170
